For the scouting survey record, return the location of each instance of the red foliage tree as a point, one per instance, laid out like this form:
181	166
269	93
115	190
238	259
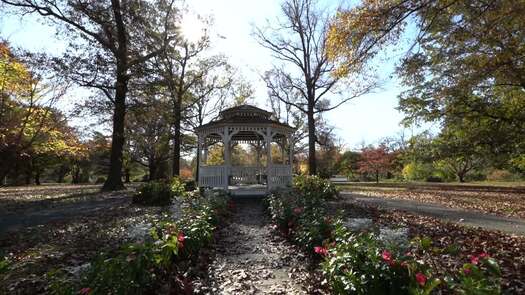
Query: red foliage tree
376	160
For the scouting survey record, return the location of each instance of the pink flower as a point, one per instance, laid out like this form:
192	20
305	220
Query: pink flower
321	250
298	210
474	259
467	271
387	256
421	279
85	291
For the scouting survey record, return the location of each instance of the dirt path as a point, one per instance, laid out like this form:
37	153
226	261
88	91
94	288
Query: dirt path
460	216
251	259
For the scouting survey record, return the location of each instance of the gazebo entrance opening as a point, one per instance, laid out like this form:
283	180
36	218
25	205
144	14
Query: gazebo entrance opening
245	148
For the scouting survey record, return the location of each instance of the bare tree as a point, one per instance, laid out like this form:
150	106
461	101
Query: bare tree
303	76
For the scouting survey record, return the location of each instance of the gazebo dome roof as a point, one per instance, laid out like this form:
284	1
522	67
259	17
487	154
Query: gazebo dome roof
245	115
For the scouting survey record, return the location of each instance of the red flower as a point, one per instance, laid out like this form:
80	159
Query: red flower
421	279
321	250
484	255
474	259
467	271
180	239
85	291
387	256
298	210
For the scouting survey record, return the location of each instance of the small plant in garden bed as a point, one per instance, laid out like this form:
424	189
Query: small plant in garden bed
161	262
160	193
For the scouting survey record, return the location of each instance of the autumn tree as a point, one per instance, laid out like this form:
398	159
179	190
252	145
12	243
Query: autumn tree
103	51
29	125
375	160
465	61
303	76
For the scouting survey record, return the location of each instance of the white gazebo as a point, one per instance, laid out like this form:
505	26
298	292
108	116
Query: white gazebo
265	142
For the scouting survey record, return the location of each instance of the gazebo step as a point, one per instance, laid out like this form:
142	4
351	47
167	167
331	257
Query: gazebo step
248	191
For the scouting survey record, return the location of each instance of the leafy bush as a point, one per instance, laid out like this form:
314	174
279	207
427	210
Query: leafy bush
314	188
132	271
480	276
190	185
4	265
155	193
178	187
417	171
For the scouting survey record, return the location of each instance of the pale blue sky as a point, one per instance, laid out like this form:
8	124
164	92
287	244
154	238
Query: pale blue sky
365	119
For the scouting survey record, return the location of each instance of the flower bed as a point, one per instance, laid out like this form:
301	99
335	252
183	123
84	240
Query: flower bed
159	263
361	263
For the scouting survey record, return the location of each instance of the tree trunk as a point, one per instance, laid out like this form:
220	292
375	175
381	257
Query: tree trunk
197	166
312	162
176	139
152	168
37	177
377	176
114	179
461	177
127	175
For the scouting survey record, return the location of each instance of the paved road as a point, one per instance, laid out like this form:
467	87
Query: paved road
460	216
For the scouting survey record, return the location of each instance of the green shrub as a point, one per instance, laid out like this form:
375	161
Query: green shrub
314	188
155	193
132	271
178	187
4	265
190	185
361	263
417	171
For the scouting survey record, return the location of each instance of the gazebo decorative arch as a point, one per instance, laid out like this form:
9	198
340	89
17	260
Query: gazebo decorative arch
256	128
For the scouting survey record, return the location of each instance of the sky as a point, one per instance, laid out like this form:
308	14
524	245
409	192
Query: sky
366	119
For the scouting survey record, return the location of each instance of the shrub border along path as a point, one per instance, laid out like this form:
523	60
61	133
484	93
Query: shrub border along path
359	262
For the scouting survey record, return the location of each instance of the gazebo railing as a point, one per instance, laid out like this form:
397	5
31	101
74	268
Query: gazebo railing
212	176
279	175
247	175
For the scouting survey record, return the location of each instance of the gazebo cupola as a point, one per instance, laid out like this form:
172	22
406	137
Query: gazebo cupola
268	141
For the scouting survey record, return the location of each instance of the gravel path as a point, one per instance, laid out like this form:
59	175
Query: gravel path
251	259
460	216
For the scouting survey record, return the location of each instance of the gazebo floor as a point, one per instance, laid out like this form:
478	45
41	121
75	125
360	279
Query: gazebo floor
248	190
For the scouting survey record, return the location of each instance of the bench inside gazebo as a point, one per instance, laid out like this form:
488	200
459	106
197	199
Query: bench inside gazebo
264	142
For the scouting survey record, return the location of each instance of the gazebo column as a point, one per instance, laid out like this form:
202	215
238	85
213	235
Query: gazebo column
199	160
290	156
269	170
227	157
